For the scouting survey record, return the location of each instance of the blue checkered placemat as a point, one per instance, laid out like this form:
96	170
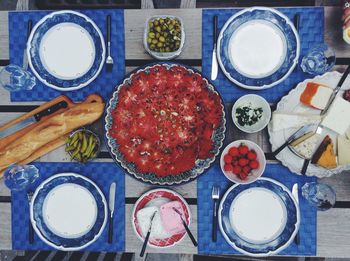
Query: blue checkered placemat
310	32
105	81
103	174
214	176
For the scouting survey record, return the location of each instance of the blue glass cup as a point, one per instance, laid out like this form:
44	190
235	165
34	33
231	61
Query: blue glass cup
20	177
319	195
319	60
14	78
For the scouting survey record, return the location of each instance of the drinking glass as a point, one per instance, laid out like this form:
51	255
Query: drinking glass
319	59
20	177
319	195
15	78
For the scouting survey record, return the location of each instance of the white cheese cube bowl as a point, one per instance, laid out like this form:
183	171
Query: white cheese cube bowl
255	173
254	101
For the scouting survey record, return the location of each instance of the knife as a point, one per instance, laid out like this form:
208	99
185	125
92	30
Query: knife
33	119
194	242
25	57
214	61
111	203
148	235
297	134
295	194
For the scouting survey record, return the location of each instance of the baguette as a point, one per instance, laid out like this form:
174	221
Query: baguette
48	131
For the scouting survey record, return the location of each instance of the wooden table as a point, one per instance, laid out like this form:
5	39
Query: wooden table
333	226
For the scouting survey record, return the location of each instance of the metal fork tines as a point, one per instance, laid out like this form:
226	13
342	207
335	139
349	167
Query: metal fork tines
215	194
109	59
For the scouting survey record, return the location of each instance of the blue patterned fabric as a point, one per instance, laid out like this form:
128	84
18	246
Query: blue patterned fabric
105	82
308	214
103	174
311	30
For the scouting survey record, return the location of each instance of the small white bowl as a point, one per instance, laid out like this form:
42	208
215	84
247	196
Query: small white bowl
166	55
255	101
255	173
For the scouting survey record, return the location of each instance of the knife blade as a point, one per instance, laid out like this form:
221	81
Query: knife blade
111	203
295	193
25	57
214	62
33	119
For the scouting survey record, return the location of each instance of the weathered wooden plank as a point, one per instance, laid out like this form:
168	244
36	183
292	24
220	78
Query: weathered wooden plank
134	244
134	28
5	226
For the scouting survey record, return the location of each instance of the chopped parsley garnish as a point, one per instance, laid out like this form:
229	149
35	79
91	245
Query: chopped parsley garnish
246	115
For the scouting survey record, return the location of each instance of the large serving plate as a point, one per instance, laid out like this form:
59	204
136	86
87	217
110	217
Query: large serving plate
66	50
260	218
68	211
258	48
291	103
156	198
200	164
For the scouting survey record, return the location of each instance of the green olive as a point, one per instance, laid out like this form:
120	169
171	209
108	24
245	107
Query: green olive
151	35
156	22
150	24
157	35
154	41
161	21
158	29
159	44
162	39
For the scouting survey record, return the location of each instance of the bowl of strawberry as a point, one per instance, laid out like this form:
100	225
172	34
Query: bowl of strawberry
242	161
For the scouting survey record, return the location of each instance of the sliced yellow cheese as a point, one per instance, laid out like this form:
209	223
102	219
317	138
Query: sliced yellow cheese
343	151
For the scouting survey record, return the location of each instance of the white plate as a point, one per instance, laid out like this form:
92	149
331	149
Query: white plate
291	103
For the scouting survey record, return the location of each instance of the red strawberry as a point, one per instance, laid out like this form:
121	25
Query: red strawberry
234	162
243	162
246	169
228	158
243	176
251	155
254	164
233	151
236	170
228	167
243	149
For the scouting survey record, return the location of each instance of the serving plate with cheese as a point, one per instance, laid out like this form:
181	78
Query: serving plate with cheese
329	150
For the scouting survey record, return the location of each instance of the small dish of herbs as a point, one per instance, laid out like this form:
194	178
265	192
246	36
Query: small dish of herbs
251	113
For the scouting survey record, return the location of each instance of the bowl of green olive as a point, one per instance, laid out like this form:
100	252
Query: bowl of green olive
164	36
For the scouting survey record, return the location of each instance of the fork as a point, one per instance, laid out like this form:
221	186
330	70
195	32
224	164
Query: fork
30	227
109	59
215	194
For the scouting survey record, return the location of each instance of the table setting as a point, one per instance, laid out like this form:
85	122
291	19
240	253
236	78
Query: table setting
166	124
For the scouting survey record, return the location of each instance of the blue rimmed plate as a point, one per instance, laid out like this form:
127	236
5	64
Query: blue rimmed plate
66	50
258	48
68	211
260	218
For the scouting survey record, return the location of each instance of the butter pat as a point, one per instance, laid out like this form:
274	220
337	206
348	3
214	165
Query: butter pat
337	118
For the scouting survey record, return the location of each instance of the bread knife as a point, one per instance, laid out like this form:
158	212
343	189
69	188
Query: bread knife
33	119
111	204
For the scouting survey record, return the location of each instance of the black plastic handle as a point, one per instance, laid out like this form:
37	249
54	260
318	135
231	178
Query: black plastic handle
29	28
108	28
145	244
189	233
279	149
297	21
50	110
305	166
215	222
30	233
215	29
110	230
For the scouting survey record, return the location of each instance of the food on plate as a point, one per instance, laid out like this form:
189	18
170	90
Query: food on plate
337	117
348	133
82	145
171	219
48	131
316	95
165	119
241	161
343	150
346	95
164	34
306	147
247	115
285	120
324	155
302	138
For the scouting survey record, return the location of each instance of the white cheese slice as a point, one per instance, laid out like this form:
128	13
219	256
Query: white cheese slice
308	146
282	120
338	116
321	97
343	151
